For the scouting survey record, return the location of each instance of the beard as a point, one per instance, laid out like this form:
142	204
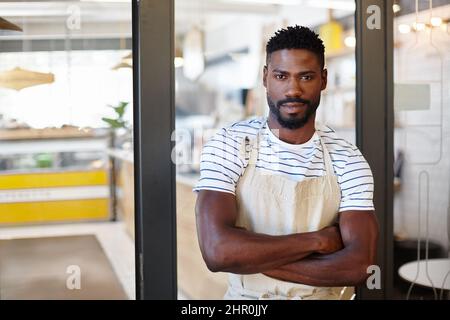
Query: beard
292	122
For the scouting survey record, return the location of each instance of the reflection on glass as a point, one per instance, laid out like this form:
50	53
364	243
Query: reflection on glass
66	183
230	89
422	190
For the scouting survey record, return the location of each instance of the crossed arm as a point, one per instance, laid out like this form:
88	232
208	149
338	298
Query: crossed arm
333	256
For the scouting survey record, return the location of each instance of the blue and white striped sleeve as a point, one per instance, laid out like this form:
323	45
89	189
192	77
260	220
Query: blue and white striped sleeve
356	182
220	165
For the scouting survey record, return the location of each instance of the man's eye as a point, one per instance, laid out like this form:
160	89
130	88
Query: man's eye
305	77
280	76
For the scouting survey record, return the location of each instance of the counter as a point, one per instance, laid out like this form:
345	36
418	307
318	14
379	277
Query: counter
53	175
194	278
195	281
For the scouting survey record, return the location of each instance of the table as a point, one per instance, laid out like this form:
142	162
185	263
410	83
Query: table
438	269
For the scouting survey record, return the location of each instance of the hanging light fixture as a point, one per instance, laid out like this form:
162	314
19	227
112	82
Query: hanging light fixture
193	48
128	56
126	62
193	54
121	65
331	34
6	25
18	78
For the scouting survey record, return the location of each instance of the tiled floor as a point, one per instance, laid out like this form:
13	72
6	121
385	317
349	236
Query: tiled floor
117	244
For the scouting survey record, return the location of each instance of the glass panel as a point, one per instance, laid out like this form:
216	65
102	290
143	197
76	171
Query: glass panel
66	183
220	55
422	165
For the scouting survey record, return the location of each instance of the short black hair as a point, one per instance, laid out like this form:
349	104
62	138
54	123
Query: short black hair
296	37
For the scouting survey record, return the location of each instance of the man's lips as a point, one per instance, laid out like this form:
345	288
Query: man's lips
292	107
293	104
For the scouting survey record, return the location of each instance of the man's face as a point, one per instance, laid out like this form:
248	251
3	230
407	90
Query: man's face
294	80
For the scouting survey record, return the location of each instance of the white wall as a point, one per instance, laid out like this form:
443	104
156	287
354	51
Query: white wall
424	135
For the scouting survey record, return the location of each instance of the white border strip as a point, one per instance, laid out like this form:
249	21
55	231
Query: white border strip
53	194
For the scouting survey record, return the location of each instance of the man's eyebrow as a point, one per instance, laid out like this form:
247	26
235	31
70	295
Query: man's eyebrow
300	73
279	71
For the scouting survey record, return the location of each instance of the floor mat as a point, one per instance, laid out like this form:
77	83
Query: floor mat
69	267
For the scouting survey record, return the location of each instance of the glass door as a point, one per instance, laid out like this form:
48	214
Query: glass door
219	60
66	160
422	166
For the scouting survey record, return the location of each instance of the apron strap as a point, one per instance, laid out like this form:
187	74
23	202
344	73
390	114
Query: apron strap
250	147
254	149
327	159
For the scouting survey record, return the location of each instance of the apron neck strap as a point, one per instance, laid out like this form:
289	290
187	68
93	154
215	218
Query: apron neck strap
252	145
326	159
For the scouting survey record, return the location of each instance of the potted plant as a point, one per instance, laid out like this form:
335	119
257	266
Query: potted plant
120	128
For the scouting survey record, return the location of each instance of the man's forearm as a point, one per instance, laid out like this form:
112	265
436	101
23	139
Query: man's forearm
228	248
342	268
244	252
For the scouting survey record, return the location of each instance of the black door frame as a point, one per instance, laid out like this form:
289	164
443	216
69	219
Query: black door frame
155	192
375	124
154	121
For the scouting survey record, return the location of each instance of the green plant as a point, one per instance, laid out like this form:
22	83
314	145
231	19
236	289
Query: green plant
118	122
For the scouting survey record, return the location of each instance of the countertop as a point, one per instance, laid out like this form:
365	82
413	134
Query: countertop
189	179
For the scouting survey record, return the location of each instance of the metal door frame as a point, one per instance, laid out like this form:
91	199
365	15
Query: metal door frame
154	122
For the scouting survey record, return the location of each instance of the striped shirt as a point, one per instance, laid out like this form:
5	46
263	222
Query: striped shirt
222	163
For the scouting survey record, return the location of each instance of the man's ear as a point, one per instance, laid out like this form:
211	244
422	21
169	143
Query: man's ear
324	76
265	76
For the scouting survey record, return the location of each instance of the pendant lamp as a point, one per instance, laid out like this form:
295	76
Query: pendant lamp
19	78
6	25
126	62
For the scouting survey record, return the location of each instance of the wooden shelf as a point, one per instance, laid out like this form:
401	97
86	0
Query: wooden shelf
47	133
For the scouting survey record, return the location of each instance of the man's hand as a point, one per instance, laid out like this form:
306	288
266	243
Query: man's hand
330	239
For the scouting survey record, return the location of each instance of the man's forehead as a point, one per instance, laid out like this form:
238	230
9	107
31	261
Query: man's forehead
293	57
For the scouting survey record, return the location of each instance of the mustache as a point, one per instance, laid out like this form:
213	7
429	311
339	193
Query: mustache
293	100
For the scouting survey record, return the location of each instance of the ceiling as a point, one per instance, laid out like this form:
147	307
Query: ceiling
34	16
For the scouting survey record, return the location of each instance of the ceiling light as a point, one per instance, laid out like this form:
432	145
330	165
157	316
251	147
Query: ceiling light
396	8
419	26
436	21
350	41
178	62
404	28
193	54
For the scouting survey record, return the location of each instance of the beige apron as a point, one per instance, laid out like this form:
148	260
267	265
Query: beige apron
275	205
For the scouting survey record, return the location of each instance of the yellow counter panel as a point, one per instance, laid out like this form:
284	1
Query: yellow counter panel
53	179
54	211
54	197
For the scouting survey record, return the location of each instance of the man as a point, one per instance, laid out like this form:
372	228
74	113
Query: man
284	205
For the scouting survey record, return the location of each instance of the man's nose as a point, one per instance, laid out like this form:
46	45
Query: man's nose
294	89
